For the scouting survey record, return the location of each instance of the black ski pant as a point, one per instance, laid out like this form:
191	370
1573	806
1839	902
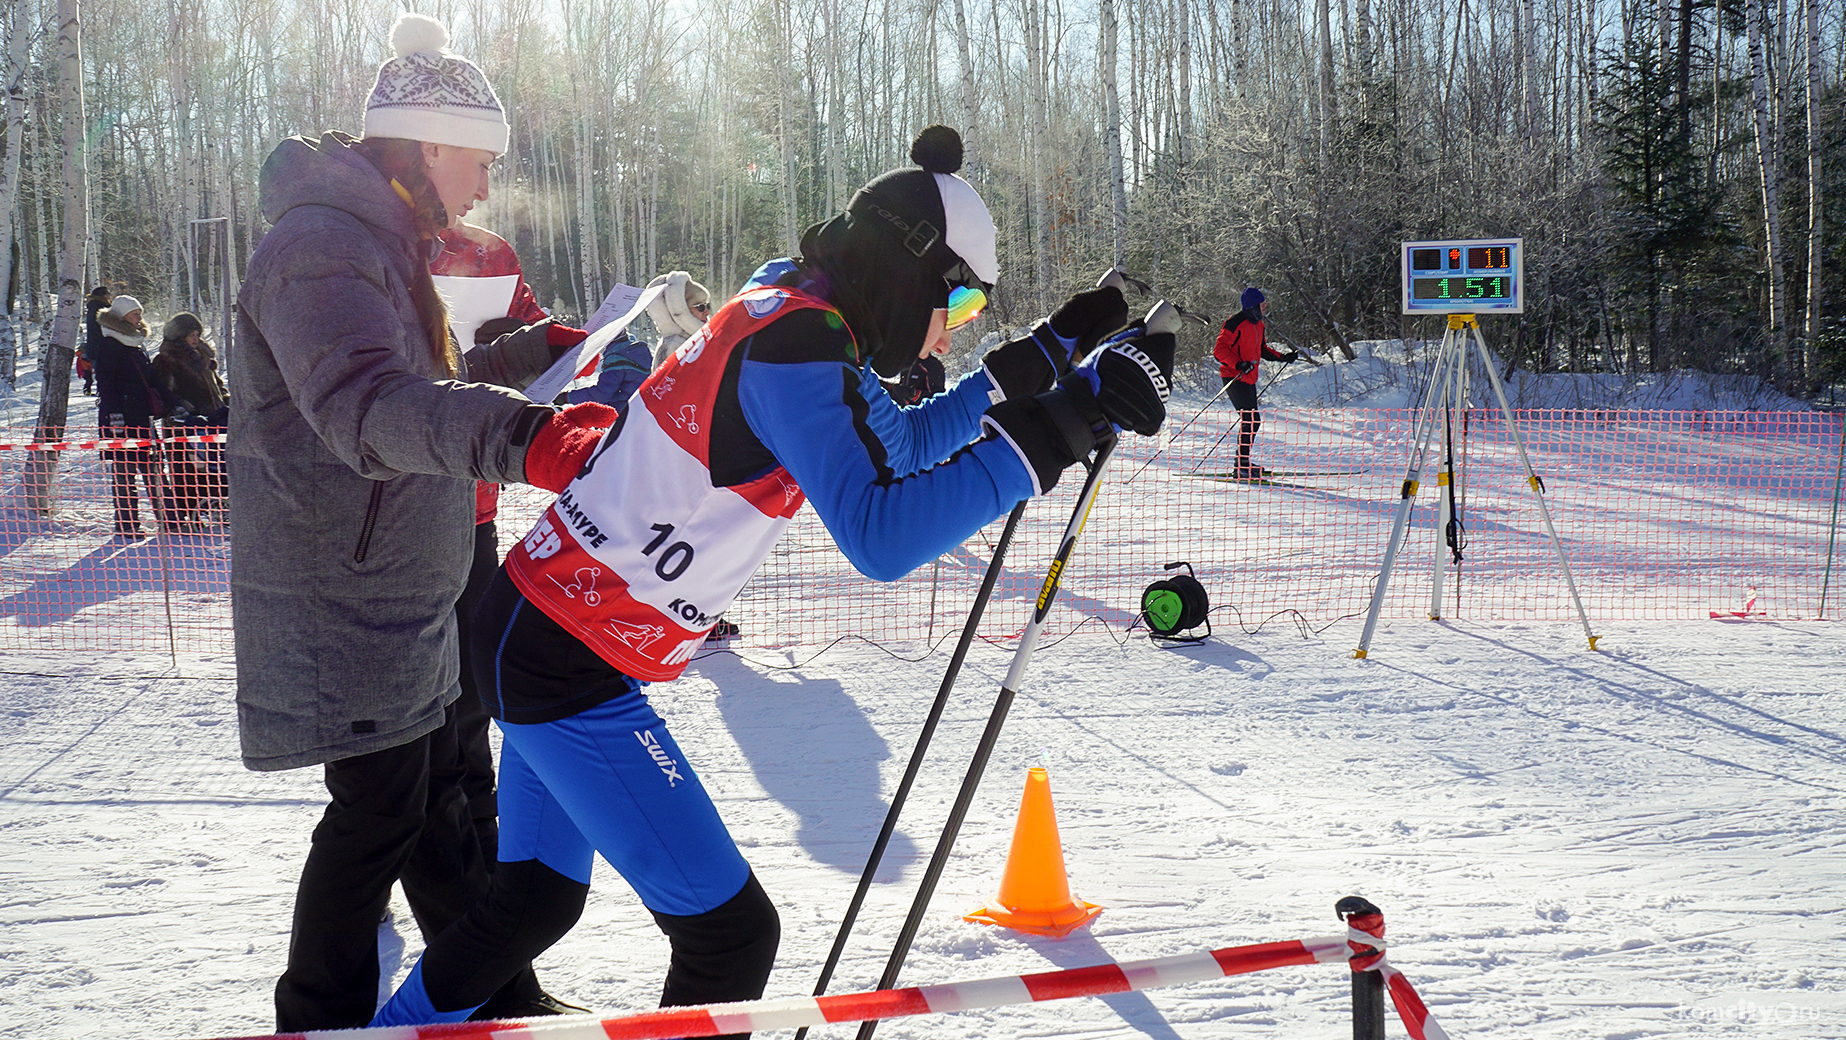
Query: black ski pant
476	760
1243	398
386	822
724	954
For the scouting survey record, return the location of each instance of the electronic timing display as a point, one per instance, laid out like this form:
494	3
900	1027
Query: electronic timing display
1473	276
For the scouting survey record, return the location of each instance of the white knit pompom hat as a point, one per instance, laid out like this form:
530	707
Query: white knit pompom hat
428	94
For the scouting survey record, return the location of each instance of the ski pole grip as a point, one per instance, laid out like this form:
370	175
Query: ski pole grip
1162	317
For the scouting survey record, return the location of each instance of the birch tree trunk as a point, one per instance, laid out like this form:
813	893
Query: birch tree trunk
836	106
970	140
1771	179
1811	325
1112	132
1035	112
42	466
42	157
18	31
1328	106
1528	64
589	253
1239	52
1185	83
1363	20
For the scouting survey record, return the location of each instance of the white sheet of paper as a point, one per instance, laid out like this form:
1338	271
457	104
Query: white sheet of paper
619	301
473	302
547	387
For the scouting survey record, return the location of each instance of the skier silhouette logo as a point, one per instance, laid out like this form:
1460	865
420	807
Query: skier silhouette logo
636	635
687	418
662	388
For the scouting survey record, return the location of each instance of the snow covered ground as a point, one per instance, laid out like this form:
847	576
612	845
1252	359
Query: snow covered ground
1644	841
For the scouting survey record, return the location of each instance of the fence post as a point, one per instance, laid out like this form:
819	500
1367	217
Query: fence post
1368	1014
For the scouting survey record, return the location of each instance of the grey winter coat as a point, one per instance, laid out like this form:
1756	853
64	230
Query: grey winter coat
352	462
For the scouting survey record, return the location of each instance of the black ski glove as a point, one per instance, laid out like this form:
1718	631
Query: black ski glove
1031	363
1129	381
1121	386
1048	433
1246	366
1290	357
1086	318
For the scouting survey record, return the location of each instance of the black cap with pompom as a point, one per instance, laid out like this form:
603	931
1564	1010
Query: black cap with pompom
937	149
891	249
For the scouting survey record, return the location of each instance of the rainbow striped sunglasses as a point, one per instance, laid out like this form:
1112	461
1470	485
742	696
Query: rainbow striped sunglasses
965	304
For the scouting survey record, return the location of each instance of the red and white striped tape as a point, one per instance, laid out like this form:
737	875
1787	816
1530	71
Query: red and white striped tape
144	442
798	1012
1365	939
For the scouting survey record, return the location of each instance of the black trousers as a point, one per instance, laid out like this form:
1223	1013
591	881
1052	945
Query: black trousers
722	955
476	758
386	822
125	466
1243	398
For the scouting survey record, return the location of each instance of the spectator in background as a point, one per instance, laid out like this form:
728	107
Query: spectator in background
1241	344
187	368
473	252
680	311
128	400
98	299
358	440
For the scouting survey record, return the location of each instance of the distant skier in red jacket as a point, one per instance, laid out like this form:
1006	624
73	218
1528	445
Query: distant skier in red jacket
1240	346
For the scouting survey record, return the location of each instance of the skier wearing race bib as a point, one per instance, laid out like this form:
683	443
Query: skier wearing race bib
668	507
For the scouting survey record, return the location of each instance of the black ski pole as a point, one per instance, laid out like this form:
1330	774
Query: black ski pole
1237	425
1113	277
916	756
1047	595
1182	429
1214	444
1161	318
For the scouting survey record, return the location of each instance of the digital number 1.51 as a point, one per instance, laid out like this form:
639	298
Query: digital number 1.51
1492	287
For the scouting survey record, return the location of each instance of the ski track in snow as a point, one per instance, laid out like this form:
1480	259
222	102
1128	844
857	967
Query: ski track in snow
1639	842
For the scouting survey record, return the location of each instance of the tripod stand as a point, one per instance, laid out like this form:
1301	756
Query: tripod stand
1450	376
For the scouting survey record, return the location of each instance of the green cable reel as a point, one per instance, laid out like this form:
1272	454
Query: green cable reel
1176	605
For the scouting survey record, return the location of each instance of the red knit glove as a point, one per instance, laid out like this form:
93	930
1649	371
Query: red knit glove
565	443
563	335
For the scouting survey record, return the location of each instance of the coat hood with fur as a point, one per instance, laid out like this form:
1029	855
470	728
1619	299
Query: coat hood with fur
131	333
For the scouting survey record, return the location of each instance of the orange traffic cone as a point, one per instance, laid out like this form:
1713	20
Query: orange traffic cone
1034	891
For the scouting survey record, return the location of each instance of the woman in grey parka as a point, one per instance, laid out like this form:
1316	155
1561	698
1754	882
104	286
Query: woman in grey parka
353	455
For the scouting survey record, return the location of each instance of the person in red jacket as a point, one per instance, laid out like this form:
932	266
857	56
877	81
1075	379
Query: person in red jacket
1240	346
477	269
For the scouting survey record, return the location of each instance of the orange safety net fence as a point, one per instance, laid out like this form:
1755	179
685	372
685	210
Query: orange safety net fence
1663	515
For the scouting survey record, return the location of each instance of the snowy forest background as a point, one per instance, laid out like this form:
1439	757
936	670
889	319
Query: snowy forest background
1671	164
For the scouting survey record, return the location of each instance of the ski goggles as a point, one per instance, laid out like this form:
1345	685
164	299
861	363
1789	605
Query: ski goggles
965	304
